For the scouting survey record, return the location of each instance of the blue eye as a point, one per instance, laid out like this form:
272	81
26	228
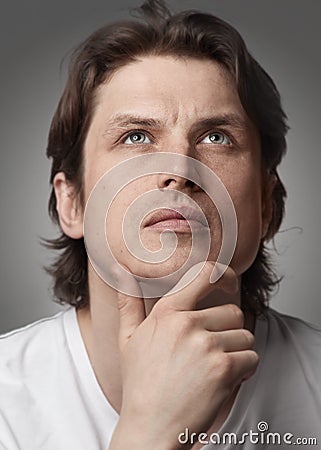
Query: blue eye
216	138
137	137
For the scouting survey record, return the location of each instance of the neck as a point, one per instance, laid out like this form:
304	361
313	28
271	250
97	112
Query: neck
99	327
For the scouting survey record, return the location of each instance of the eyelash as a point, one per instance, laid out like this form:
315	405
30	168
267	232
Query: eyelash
147	136
224	135
133	133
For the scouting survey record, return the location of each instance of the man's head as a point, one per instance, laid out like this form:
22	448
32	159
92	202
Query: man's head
191	48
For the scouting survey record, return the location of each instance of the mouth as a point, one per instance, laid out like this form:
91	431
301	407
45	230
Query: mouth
176	218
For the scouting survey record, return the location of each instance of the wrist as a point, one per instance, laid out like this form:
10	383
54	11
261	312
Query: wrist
127	436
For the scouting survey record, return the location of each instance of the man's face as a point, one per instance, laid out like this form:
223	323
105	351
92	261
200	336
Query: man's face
189	107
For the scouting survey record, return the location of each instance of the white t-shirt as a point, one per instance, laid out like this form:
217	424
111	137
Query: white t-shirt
51	400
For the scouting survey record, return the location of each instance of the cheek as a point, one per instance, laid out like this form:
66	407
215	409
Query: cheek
242	179
119	208
97	160
248	208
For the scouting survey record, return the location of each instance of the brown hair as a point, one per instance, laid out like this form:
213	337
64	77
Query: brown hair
158	32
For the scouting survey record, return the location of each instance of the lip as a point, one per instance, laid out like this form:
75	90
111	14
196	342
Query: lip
175	217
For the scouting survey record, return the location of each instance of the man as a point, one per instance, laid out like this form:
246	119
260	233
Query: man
122	369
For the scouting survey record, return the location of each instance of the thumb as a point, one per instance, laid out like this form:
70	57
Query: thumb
131	308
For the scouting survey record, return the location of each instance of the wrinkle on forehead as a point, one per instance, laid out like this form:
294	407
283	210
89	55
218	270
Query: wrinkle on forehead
163	92
124	121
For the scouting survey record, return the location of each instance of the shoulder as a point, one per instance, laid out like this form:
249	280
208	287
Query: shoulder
285	391
291	340
24	349
38	384
293	326
39	327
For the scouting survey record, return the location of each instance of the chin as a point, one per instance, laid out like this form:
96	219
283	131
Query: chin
147	270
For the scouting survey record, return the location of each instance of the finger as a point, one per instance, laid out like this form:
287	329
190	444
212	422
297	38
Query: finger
131	307
220	318
233	340
196	284
242	364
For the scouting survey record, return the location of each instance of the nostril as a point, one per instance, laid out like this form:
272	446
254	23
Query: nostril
169	181
188	183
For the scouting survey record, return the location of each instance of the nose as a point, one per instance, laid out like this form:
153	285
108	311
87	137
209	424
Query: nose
182	176
171	181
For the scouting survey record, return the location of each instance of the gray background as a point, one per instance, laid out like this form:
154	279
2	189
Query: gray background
285	37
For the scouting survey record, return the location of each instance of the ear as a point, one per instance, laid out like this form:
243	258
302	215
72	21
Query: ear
68	207
269	182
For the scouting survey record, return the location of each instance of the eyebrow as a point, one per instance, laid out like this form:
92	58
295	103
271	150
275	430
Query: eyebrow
123	121
228	120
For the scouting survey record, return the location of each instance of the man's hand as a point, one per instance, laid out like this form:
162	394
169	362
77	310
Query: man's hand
179	365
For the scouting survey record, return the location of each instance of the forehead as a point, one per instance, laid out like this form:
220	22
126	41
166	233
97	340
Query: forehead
171	86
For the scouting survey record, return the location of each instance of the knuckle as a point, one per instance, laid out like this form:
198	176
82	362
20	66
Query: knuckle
181	323
226	369
255	359
214	340
237	313
204	343
224	366
182	328
184	324
248	337
252	361
188	321
191	318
